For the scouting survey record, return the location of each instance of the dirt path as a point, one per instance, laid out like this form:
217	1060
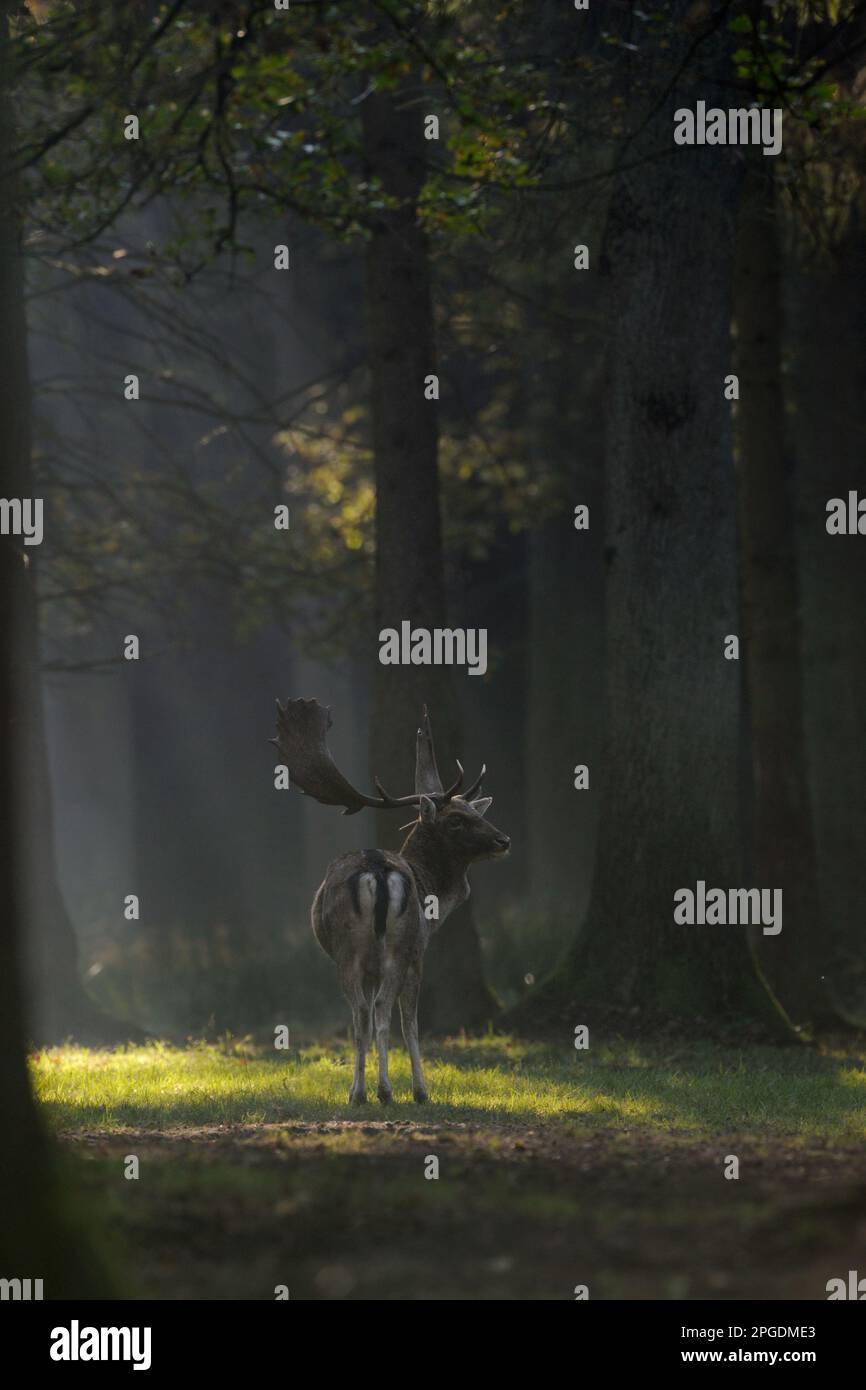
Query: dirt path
342	1209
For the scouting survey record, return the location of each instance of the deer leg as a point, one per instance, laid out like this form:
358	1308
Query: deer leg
383	1005
409	1020
361	1027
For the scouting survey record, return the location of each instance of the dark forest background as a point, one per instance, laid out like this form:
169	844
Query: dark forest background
559	387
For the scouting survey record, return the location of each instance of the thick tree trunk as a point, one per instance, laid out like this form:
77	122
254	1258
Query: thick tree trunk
564	686
783	850
669	773
560	830
37	1240
61	1006
828	401
22	1145
35	1243
410	581
564	408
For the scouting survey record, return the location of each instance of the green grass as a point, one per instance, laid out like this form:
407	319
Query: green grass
698	1091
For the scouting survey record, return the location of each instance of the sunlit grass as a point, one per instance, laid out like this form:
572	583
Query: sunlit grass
494	1080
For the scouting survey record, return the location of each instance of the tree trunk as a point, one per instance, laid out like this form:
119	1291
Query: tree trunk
564	408
34	1241
61	1005
37	1241
564	686
409	580
828	400
669	774
783	847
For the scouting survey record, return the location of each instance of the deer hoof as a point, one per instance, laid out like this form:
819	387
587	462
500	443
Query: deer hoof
385	1094
357	1097
420	1095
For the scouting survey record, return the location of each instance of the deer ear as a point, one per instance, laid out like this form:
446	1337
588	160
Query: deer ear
482	806
427	810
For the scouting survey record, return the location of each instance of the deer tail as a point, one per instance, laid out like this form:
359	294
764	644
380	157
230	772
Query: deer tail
381	905
390	890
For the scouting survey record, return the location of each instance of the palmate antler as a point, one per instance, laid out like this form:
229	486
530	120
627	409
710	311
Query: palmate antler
302	727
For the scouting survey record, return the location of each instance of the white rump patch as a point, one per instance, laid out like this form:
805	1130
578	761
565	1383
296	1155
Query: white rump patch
367	894
396	894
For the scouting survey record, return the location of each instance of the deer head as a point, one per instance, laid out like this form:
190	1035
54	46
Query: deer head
458	829
455	820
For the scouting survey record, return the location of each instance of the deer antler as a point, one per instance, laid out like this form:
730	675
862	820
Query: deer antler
302	727
427	777
476	785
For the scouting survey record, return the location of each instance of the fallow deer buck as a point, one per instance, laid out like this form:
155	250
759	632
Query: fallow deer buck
368	913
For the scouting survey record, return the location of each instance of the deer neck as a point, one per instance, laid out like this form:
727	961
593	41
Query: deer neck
436	869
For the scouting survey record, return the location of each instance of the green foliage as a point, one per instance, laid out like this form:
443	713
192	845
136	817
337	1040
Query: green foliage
248	114
775	67
264	116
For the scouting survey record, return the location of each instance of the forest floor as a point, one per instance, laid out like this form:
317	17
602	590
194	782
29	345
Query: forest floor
603	1168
